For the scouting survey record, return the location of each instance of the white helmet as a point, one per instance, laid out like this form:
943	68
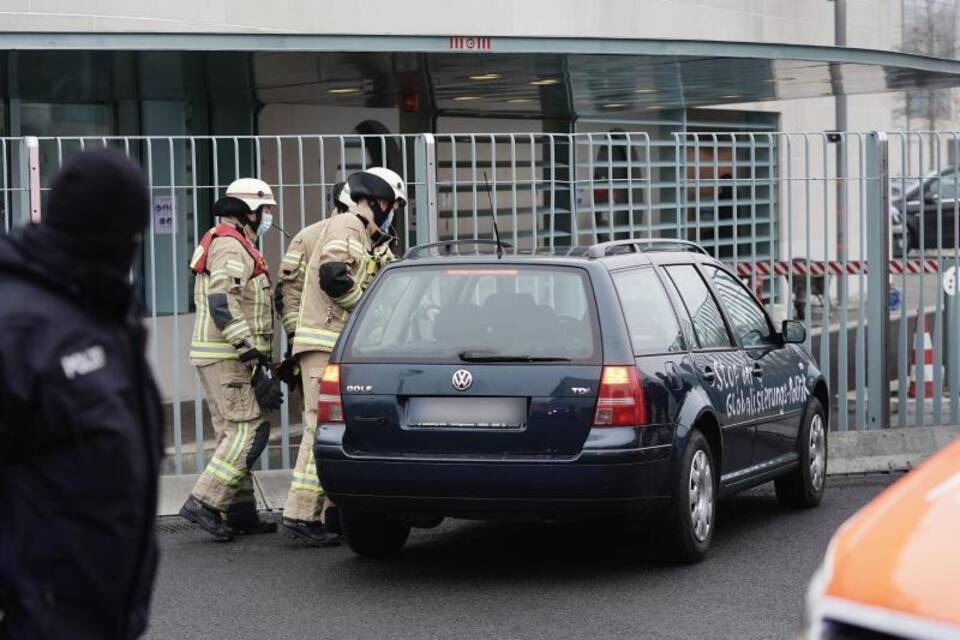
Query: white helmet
363	187
255	193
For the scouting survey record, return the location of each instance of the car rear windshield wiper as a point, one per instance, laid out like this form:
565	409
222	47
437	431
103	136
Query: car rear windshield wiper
488	356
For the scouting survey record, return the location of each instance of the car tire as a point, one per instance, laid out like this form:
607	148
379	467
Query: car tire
803	487
371	534
692	514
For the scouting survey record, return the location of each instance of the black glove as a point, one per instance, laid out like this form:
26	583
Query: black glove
288	372
278	298
267	389
255	358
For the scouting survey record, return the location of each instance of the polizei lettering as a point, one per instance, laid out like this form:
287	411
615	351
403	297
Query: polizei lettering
83	362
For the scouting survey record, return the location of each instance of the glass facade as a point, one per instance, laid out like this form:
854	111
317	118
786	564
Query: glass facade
69	99
151	104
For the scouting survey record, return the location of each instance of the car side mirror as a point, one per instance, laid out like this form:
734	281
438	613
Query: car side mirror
793	332
931	197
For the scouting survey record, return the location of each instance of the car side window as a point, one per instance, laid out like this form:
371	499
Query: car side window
650	318
748	317
946	187
708	322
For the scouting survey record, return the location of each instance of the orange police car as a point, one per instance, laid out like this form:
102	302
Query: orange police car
893	569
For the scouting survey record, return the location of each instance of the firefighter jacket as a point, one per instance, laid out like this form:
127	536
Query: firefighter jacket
232	296
80	447
293	271
338	272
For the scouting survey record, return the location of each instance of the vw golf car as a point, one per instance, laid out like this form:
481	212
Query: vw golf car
893	569
597	381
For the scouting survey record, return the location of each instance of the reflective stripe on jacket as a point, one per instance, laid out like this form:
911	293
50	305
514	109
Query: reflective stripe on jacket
344	238
230	269
293	272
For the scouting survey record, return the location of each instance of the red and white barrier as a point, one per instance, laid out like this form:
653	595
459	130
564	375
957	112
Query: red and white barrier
831	267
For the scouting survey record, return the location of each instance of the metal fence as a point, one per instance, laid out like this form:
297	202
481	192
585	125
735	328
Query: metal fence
846	204
19	184
768	204
186	175
573	189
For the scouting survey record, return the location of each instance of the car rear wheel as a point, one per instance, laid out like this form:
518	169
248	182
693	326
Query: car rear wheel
373	534
803	487
693	507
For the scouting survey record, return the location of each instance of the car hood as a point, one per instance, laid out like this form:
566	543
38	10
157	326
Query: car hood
898	558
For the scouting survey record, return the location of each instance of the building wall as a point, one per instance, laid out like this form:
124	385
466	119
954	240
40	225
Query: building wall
871	23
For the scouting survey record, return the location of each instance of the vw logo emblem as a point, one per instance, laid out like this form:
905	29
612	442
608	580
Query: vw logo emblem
462	380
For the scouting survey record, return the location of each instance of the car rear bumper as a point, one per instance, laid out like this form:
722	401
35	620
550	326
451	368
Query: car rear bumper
603	481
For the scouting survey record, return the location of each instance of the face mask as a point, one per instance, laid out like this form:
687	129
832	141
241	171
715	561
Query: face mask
265	223
385	225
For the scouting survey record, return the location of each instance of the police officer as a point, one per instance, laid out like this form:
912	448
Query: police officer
340	267
231	348
80	416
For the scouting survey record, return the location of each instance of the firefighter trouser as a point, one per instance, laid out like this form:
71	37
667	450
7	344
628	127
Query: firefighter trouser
226	484
305	501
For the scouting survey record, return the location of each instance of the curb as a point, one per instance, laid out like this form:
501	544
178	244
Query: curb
883	450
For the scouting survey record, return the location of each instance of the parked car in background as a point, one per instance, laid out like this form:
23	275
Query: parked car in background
929	212
893	569
623	379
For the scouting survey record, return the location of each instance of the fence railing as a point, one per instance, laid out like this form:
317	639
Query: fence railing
803	218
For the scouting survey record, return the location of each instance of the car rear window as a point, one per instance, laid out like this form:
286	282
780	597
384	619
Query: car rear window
438	313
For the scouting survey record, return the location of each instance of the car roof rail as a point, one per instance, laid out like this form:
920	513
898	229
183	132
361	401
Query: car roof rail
449	247
602	249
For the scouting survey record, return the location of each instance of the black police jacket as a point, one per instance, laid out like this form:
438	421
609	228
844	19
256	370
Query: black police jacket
80	446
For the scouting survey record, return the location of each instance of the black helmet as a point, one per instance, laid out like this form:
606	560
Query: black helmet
374	183
377	183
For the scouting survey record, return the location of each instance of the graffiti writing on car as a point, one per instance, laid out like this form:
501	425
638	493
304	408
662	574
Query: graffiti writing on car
747	395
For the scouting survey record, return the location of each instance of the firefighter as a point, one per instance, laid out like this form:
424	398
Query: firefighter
287	296
294	266
80	415
231	348
349	249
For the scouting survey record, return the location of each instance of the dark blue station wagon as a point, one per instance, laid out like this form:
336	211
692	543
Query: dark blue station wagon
609	380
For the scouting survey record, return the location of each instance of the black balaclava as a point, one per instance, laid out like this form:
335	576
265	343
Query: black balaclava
100	199
92	225
230	207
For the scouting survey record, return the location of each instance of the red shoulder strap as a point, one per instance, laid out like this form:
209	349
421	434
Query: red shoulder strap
199	262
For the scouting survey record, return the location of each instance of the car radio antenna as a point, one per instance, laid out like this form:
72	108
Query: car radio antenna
493	210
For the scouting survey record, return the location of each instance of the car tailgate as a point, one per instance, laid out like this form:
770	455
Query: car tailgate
506	409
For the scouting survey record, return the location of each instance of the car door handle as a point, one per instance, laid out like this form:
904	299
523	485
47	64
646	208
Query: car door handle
708	374
757	371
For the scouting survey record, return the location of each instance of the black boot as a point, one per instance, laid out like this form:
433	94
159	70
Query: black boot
311	533
331	519
243	520
206	518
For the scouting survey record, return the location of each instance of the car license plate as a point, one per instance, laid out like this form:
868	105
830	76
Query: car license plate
466	413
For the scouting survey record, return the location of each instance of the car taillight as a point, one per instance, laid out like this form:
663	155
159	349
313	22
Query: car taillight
620	402
330	406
